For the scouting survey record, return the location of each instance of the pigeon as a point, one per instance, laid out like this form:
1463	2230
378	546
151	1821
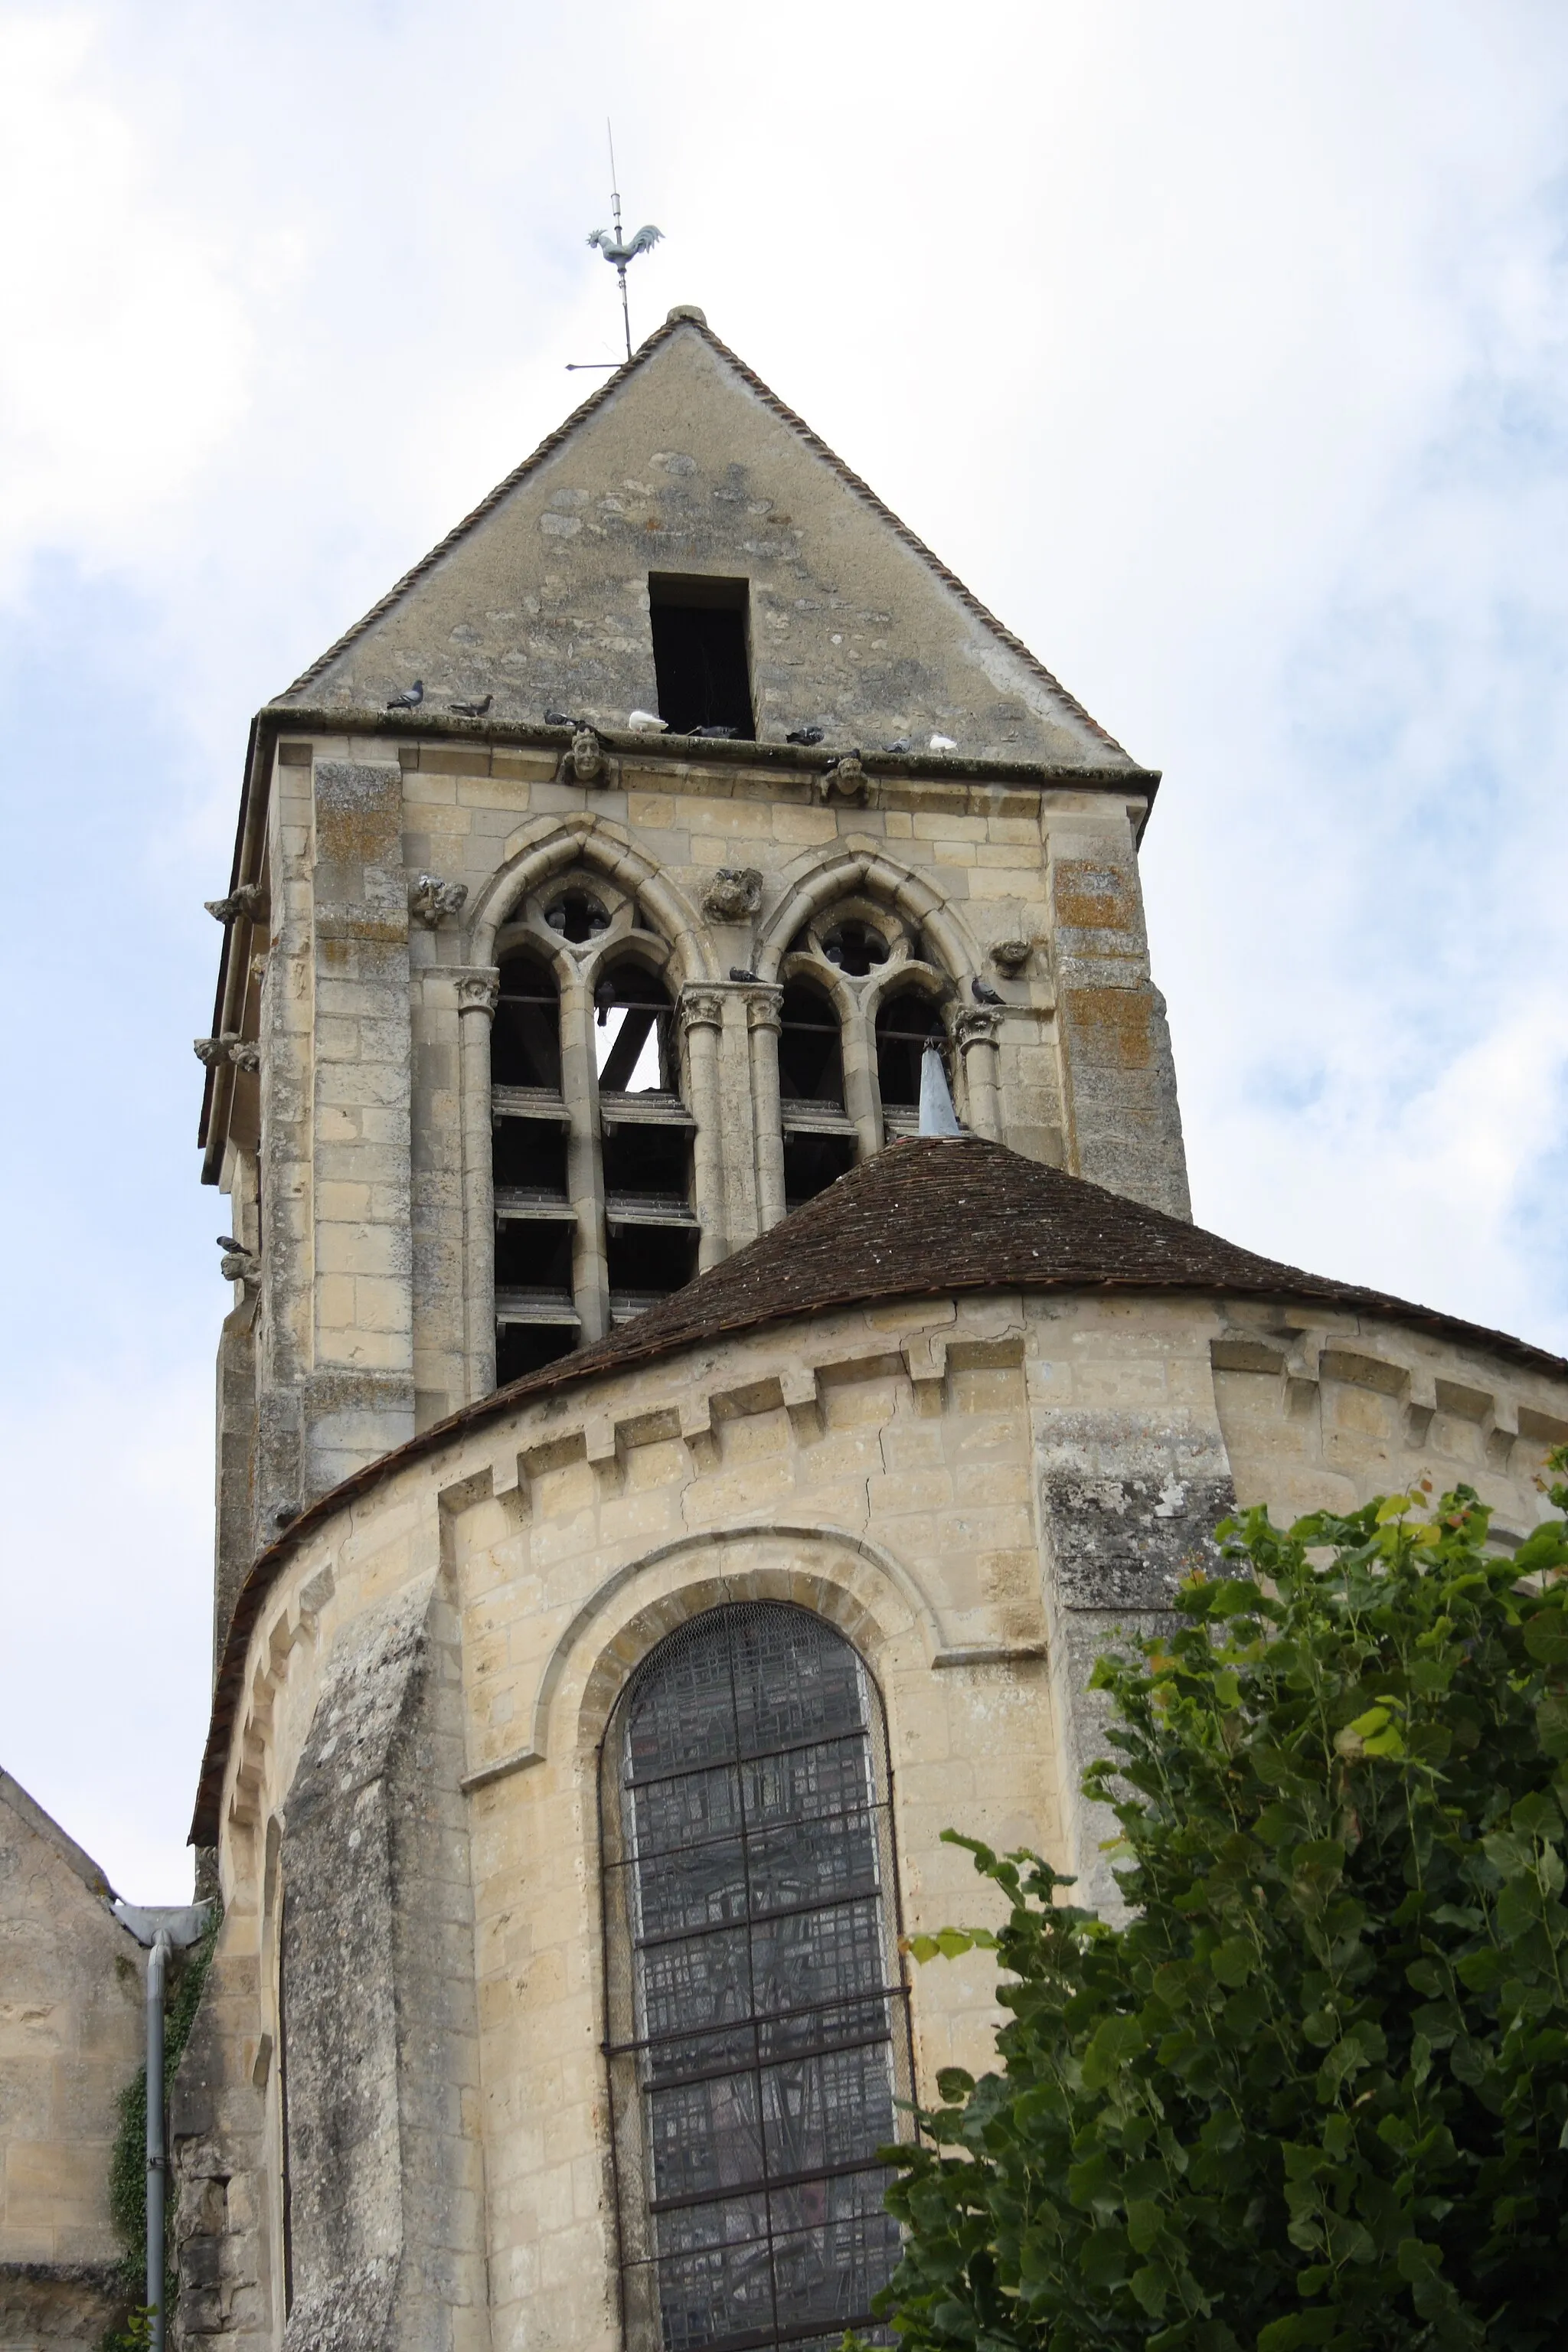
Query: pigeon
473	709
227	1241
646	719
901	745
943	743
715	734
561	718
738	971
984	994
410	698
805	735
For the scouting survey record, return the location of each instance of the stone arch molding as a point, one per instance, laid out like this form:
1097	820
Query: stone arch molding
847	869
590	841
593	1657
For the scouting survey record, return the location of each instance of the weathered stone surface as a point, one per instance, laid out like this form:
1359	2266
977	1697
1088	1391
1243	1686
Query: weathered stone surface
70	2038
378	1997
57	2306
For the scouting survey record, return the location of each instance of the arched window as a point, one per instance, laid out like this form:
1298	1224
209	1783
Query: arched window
818	1134
650	1226
906	1017
758	2032
536	1319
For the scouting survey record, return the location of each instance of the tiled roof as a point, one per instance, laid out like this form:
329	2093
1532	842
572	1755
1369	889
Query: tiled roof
770	399
926	1218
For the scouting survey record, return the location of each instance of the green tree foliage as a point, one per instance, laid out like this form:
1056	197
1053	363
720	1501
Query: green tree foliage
1315	2092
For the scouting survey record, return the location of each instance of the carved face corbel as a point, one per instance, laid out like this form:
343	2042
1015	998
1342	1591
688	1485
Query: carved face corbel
846	780
588	763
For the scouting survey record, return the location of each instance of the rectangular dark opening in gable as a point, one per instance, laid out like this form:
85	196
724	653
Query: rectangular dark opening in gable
702	656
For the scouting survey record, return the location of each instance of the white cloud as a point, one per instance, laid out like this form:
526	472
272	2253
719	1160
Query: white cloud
125	363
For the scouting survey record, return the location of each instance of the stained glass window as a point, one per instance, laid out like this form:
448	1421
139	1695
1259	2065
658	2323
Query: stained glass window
758	2039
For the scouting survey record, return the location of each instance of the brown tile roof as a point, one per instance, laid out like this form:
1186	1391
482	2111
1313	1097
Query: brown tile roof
813	441
926	1218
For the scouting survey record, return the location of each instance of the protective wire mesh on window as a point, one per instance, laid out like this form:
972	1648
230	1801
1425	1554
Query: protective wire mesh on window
758	2024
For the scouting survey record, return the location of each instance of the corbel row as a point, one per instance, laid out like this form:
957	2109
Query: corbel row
295	1622
606	1439
1313	1357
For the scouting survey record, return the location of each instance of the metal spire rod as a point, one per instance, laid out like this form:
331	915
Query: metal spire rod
616	247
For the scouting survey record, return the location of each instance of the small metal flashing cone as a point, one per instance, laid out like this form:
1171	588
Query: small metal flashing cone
937	1114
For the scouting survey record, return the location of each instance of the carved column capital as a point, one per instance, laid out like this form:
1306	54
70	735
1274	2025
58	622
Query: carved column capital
478	992
977	1025
764	1005
701	1008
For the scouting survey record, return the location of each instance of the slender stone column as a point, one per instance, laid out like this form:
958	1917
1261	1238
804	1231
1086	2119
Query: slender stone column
477	994
861	1083
763	1010
975	1033
585	1166
701	1018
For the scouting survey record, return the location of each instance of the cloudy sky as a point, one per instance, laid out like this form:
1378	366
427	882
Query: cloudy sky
1219	346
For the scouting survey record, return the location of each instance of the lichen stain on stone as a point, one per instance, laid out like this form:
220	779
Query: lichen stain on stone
1091	897
1114	1026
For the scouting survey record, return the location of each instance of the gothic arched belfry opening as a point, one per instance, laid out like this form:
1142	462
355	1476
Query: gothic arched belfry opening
718	1345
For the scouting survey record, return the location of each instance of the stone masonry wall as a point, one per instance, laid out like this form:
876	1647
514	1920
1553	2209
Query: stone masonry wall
70	2039
980	1492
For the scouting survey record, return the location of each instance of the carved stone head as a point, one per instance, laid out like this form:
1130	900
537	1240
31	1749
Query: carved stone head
735	892
845	779
586	760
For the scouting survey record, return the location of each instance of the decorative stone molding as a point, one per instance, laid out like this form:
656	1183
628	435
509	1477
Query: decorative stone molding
248	904
735	893
479	991
1010	956
431	900
846	780
588	763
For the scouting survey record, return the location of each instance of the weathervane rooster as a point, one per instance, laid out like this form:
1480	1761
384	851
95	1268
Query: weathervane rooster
621	249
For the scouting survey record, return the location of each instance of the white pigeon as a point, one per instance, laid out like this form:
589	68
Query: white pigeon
943	743
645	719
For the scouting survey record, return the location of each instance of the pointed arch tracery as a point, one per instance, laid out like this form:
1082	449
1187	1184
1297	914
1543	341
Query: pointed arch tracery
578	1124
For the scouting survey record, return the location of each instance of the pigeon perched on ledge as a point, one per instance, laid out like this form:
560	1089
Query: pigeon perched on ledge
984	994
738	971
805	735
647	719
943	743
562	719
473	709
410	698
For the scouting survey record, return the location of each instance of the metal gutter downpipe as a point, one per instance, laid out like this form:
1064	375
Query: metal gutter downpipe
157	2136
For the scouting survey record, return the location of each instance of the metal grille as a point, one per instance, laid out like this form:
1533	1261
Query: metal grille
758	2036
